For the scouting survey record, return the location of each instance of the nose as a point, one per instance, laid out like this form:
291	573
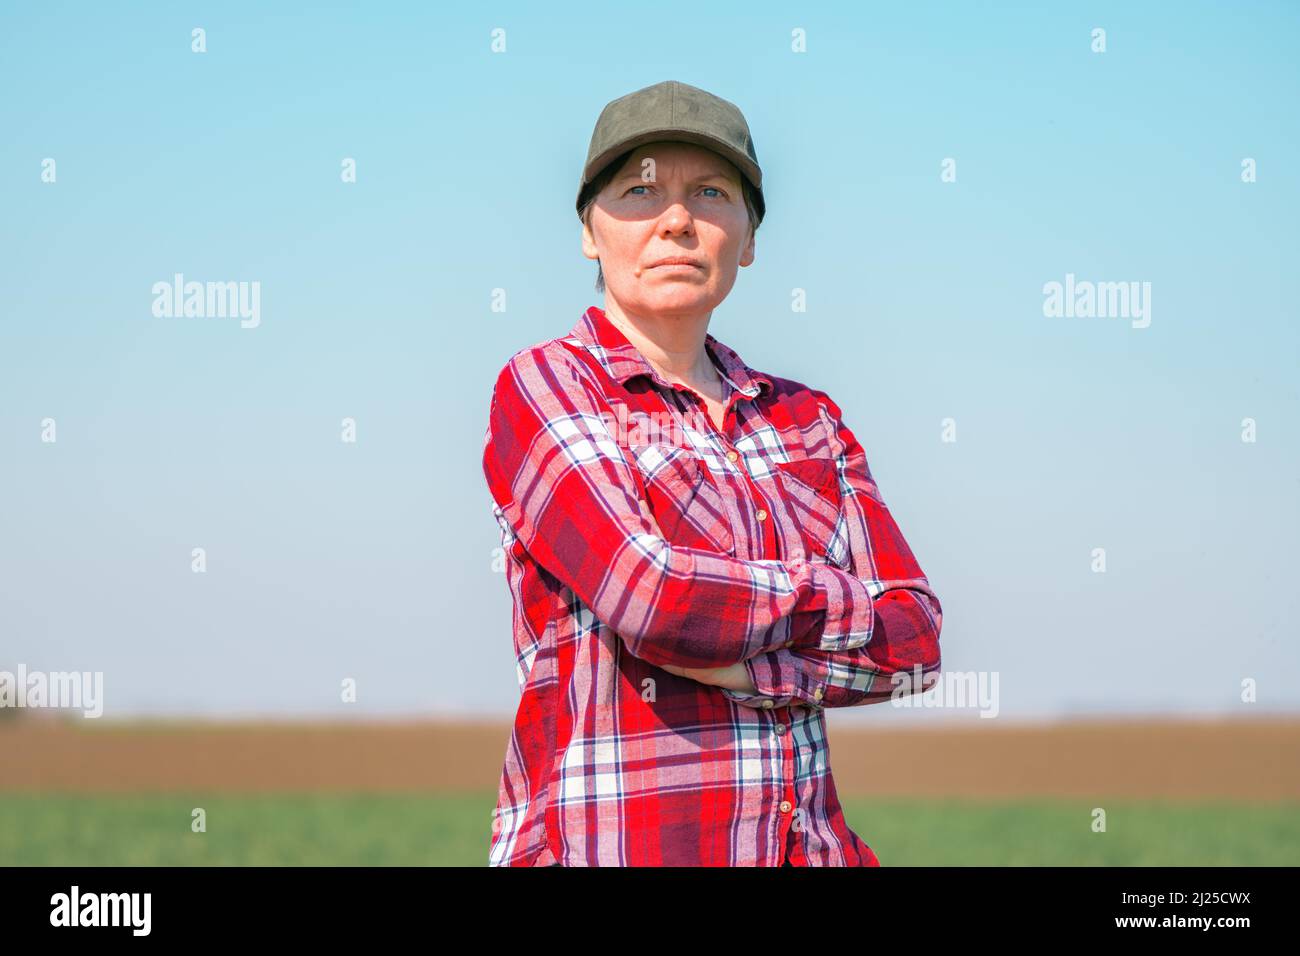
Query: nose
676	220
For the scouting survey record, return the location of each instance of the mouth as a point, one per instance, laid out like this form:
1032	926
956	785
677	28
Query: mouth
676	262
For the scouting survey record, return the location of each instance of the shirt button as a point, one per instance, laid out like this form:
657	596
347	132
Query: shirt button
789	643
761	515
732	456
767	705
818	693
780	729
785	806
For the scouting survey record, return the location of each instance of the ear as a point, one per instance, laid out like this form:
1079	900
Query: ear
589	243
747	254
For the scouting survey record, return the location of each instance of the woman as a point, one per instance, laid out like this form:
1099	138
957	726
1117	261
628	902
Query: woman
699	558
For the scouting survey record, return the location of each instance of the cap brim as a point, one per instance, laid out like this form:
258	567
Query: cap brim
742	162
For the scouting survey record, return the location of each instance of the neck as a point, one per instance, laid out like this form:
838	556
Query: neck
673	344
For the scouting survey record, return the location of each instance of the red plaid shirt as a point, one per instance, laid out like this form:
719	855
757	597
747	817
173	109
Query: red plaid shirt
637	534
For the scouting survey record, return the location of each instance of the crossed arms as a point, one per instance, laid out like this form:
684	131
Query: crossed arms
762	631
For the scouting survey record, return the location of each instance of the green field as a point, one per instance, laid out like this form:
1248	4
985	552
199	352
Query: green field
312	830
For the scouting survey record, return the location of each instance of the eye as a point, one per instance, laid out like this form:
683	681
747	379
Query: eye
638	187
720	193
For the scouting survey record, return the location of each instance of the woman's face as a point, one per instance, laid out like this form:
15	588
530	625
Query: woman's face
686	202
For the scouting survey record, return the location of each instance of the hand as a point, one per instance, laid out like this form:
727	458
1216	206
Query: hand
733	677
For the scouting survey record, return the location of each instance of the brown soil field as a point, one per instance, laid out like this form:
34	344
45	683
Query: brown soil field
1239	760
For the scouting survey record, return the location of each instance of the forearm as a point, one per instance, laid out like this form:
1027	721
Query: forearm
903	647
694	608
707	610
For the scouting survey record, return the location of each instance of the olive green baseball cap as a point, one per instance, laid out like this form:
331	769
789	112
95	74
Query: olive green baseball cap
674	112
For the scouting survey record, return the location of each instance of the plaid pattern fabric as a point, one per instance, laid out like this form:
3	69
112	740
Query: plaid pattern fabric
637	534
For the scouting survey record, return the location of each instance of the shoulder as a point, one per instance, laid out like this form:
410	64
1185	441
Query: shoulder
803	401
543	367
542	384
817	417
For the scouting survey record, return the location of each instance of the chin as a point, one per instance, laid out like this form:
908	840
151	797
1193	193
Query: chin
682	299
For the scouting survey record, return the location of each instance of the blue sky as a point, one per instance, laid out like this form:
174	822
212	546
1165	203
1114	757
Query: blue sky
373	560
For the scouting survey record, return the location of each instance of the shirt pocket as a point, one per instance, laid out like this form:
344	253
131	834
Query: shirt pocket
684	498
811	489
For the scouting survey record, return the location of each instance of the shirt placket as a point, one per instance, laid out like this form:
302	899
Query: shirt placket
768	545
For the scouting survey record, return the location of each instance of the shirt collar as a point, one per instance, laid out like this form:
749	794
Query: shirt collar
623	360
